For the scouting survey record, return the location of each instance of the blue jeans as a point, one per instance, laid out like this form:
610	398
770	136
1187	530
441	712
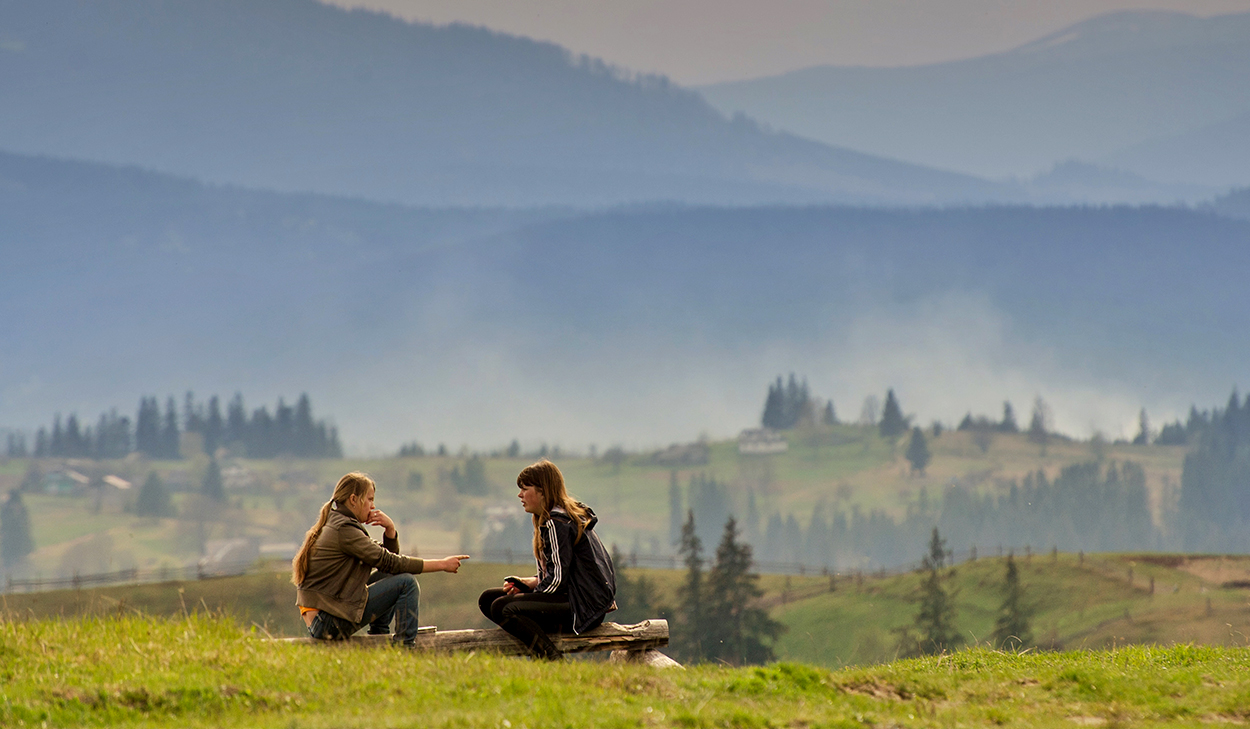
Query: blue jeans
390	597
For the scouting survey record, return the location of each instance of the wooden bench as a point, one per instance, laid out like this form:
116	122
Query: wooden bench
637	643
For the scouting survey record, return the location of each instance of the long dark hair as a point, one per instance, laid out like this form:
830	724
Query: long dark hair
547	479
354	483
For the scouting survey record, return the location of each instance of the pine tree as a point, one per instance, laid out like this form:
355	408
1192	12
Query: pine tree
691	621
739	632
1009	419
153	499
474	479
935	620
169	431
212	487
774	416
214	427
1011	629
892	424
236	421
1143	429
674	509
1037	424
15	537
148	428
829	417
918	451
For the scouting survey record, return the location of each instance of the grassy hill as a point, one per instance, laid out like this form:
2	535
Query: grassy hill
198	672
846	467
1079	602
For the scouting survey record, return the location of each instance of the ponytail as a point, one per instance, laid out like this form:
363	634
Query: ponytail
353	483
299	565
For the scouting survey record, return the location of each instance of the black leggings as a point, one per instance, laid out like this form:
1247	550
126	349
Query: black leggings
529	616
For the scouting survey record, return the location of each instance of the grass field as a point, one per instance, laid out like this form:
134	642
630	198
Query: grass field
202	671
1094	601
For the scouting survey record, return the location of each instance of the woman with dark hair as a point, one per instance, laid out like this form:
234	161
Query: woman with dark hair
575	585
339	590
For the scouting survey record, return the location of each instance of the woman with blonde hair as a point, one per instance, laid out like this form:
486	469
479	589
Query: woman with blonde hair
346	580
575	586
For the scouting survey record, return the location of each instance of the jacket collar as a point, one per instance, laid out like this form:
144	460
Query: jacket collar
342	518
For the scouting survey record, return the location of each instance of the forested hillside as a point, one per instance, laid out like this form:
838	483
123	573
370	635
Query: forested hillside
105	261
297	95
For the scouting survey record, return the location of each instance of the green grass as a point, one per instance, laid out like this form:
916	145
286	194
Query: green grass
1078	604
204	671
267	599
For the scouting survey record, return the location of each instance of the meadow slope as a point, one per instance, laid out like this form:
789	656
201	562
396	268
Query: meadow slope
203	672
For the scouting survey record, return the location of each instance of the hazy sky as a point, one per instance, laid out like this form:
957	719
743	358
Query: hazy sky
704	41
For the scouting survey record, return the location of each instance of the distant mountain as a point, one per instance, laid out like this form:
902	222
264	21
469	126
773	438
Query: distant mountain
1235	204
1074	182
1217	153
1086	92
642	325
295	95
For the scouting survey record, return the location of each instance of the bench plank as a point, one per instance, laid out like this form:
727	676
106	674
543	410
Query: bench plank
637	638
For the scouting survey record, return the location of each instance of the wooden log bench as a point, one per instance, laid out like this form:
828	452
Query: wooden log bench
637	643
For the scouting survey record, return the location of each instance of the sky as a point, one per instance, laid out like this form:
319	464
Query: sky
707	41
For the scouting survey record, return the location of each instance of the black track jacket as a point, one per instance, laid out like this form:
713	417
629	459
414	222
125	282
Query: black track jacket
582	569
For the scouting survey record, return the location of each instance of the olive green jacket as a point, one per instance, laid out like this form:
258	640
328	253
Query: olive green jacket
342	560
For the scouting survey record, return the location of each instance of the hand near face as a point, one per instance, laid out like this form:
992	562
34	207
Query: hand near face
377	517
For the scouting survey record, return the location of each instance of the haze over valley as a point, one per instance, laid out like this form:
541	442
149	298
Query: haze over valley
453	234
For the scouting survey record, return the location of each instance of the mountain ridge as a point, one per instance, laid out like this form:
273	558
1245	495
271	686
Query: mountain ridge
294	95
1083	93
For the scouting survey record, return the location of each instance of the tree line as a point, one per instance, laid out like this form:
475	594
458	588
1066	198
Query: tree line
1092	506
287	431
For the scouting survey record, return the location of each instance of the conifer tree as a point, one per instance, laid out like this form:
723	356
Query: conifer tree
918	451
829	417
169	431
1143	429
674	509
773	416
15	537
892	424
236	421
739	632
691	621
212	487
1037	424
153	499
1011	628
214	427
935	620
1009	419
